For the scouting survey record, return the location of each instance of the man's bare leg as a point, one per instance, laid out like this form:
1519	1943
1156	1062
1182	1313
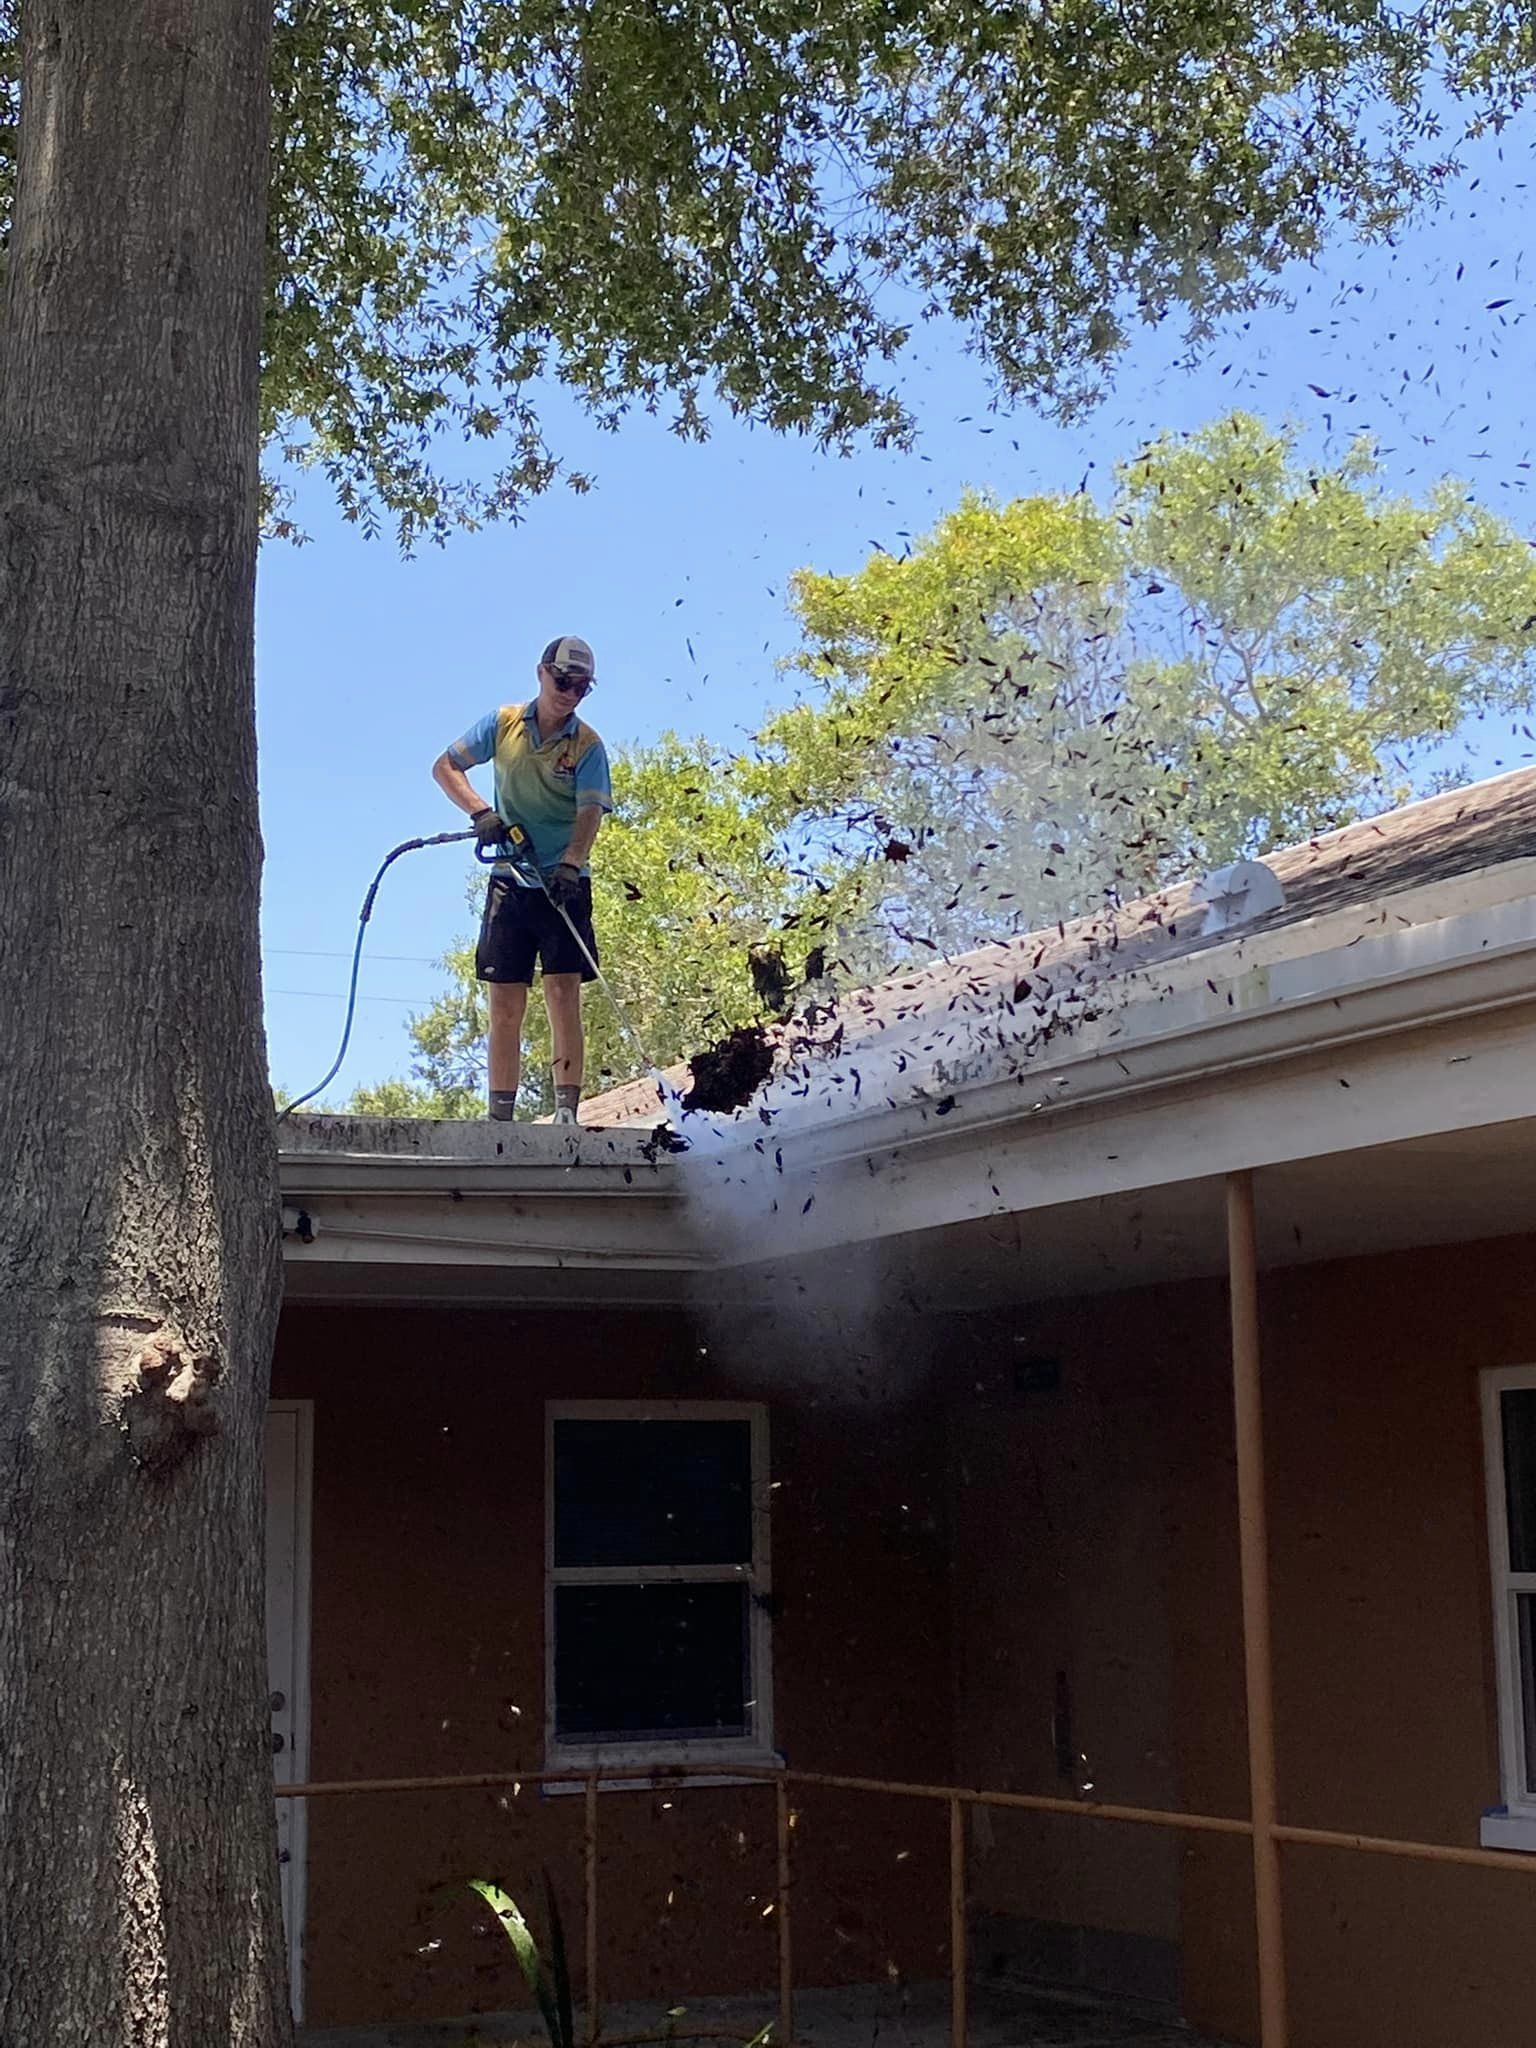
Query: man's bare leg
508	1002
562	998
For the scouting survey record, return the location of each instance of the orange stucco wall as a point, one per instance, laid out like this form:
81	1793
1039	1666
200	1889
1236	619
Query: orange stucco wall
1060	1579
1119	1492
427	1634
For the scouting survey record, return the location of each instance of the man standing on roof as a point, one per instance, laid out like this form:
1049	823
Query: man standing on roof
551	778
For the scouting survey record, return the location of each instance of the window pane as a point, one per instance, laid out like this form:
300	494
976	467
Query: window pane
1525	1629
1518	1409
651	1660
653	1493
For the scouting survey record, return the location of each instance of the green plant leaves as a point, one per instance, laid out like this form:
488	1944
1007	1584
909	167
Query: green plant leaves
554	2004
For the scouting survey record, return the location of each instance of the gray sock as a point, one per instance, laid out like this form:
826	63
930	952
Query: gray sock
503	1105
567	1095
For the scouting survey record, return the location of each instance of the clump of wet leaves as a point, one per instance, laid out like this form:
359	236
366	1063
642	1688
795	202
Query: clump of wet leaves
728	1074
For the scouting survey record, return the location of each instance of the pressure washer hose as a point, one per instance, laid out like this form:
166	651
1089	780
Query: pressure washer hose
405	846
451	839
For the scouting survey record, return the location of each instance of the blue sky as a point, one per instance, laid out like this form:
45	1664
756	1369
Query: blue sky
675	568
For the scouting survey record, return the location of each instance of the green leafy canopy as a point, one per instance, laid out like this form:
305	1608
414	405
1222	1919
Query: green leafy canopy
684	203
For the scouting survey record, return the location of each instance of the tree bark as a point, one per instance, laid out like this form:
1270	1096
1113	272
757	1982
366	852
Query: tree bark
139	1272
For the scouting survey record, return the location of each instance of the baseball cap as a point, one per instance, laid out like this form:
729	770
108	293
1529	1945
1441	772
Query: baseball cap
569	656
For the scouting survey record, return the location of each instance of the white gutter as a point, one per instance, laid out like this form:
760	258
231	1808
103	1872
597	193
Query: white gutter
334	1155
317	1173
505	1248
531	1196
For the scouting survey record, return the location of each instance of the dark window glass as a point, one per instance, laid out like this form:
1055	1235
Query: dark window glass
1517	1406
666	1660
1525	1612
633	1493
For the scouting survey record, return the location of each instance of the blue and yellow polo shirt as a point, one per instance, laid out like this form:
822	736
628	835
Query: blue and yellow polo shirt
539	784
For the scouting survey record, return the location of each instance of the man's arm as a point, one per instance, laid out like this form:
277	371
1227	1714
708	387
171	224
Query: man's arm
456	785
583	833
594	795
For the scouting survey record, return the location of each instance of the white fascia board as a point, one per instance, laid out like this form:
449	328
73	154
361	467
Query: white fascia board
406	1229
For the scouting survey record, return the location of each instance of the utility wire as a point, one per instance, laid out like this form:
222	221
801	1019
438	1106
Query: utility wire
323	953
331	995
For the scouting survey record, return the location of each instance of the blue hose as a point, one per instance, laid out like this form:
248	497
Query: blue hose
405	846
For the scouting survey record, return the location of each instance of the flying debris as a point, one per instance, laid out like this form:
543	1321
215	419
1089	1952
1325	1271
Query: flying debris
727	1075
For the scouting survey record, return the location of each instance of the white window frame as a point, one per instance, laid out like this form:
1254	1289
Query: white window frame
1516	1826
291	1764
656	1752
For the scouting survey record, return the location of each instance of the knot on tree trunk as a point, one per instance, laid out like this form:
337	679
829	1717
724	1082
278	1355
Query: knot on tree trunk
170	1403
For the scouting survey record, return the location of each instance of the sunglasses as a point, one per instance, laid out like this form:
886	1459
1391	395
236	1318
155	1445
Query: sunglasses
570	685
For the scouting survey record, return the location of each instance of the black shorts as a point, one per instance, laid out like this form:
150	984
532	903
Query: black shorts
521	926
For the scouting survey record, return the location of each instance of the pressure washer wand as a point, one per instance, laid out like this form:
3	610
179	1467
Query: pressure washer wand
636	1044
520	859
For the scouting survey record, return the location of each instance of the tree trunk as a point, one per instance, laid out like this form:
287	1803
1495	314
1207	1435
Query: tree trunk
138	1214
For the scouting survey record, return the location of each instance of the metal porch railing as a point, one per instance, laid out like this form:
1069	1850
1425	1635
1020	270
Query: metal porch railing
957	1799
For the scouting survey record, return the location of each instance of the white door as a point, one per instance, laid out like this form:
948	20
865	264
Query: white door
288	1483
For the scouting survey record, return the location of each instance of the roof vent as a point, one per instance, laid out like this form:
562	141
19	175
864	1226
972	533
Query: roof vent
1236	895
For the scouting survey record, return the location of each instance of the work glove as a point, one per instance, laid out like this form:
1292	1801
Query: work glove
489	827
564	886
